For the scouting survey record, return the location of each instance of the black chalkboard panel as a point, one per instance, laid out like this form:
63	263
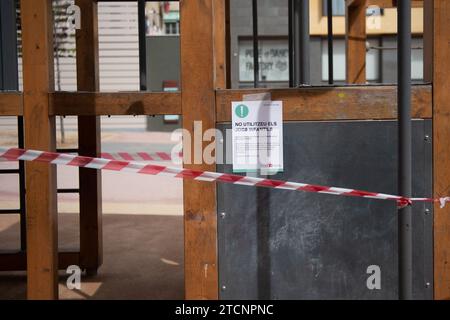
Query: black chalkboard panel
276	244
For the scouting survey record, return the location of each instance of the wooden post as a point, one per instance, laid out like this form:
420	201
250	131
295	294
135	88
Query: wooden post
220	8
228	43
356	42
441	148
38	81
89	141
197	83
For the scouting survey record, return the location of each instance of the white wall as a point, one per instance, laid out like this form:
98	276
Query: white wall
118	51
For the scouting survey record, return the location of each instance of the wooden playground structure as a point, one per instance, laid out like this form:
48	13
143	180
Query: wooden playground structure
205	95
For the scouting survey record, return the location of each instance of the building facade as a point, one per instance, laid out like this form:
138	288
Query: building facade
273	43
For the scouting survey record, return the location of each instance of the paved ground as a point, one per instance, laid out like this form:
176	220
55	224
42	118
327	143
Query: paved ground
143	228
143	258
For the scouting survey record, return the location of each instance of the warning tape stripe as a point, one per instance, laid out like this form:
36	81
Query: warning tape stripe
14	154
139	156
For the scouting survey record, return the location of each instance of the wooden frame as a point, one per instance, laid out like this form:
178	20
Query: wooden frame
11	104
42	221
205	77
90	181
197	96
441	154
333	103
115	103
355	39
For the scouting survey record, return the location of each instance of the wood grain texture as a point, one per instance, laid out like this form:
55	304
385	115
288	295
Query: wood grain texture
115	103
17	261
337	103
197	74
42	224
356	42
220	42
441	148
91	237
393	3
11	104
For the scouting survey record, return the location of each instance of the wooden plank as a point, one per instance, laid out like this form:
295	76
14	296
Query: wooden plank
89	144
17	261
220	41
333	103
11	104
353	3
228	43
441	148
42	225
393	3
356	42
115	103
197	74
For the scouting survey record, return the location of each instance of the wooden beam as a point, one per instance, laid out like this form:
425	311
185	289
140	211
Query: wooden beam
386	3
11	104
382	3
220	42
42	225
355	40
89	142
337	103
353	3
228	43
441	148
17	261
115	103
197	74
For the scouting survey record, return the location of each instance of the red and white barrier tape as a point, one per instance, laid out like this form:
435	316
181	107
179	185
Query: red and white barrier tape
140	156
14	154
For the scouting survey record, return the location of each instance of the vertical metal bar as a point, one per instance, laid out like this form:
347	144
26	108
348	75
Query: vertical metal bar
300	42
255	44
23	215
2	86
291	41
404	149
330	41
304	42
296	25
142	46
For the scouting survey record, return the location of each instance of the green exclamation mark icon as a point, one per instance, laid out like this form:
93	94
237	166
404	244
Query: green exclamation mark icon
241	111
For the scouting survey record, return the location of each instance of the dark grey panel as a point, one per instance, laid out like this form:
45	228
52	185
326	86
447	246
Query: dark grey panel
276	244
163	56
163	63
8	46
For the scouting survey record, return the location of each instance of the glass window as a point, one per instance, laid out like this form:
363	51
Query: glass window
273	60
172	27
339	64
417	59
339	8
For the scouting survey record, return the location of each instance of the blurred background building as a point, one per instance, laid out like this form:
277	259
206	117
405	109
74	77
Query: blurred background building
119	46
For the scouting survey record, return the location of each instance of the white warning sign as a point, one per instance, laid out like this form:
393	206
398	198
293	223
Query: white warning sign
257	136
